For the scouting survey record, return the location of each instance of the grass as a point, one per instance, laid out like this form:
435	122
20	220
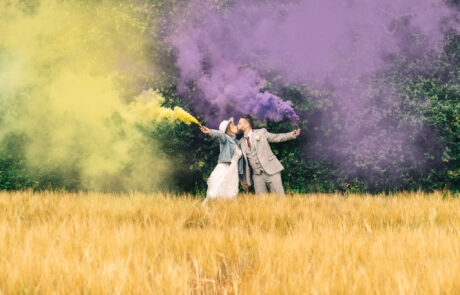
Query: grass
61	243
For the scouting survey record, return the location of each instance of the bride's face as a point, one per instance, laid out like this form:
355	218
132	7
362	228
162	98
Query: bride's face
232	129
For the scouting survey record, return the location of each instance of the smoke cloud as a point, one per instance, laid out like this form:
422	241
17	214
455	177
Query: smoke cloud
228	51
226	55
66	68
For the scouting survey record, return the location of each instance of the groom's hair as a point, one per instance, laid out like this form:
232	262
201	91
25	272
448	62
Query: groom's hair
249	119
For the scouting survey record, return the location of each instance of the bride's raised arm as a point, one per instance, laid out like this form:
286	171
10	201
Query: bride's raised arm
214	133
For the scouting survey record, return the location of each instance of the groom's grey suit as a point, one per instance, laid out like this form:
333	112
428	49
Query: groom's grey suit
261	163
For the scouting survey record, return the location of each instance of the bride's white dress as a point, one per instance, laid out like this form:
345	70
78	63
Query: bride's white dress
223	181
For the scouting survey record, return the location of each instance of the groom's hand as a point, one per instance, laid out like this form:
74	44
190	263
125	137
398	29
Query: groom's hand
296	133
245	187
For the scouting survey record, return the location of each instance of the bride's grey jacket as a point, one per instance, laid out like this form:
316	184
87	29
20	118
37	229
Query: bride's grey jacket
227	149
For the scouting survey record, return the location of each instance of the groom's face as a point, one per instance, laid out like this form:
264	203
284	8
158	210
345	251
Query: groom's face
242	125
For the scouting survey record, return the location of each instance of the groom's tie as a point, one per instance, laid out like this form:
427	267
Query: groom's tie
249	143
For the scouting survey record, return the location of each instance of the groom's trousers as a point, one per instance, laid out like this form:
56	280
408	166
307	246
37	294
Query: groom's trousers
263	182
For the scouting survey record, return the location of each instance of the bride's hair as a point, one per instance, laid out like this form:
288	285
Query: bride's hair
228	127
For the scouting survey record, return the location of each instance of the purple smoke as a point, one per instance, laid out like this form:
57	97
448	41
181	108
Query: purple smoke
226	52
331	45
268	105
227	85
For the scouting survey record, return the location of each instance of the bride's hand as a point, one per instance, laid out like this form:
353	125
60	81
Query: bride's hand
205	130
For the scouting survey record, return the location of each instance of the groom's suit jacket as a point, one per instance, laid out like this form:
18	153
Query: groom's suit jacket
261	139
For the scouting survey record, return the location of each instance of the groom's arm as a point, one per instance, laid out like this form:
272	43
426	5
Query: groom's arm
242	174
240	168
281	137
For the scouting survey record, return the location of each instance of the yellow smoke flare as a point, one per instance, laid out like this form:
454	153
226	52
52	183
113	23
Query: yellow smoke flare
185	117
146	108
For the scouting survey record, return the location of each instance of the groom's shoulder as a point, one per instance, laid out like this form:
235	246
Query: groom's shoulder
260	130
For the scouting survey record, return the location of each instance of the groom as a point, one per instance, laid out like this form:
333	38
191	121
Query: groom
259	158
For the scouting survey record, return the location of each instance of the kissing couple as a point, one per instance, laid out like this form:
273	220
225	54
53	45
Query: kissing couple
248	160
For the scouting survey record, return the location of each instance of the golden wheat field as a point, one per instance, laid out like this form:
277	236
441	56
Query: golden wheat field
89	243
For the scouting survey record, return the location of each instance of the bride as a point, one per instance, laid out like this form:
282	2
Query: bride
224	179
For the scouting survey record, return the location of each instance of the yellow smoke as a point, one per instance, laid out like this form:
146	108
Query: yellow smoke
147	108
65	68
